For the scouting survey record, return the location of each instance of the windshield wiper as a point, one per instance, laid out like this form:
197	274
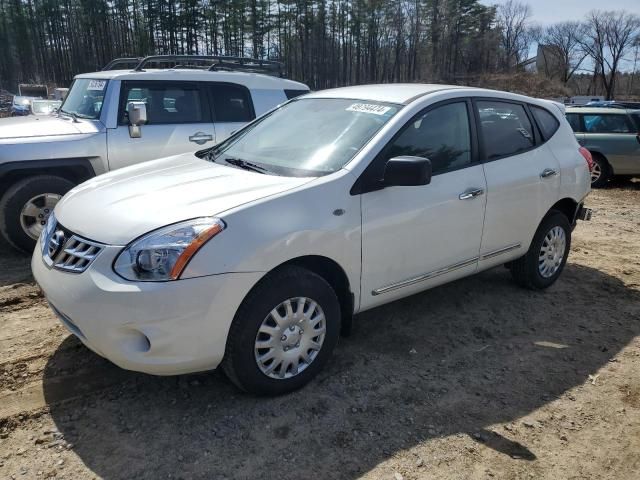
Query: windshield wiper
69	114
76	115
238	162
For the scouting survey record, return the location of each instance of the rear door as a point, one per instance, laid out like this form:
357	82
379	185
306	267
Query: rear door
232	108
179	121
523	179
616	137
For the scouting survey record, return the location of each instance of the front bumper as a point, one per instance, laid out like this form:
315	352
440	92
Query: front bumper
162	328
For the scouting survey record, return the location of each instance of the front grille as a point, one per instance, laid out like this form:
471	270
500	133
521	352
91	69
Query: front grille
64	250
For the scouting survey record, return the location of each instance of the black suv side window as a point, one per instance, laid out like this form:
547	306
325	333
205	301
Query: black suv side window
442	135
167	102
546	121
231	103
505	127
607	123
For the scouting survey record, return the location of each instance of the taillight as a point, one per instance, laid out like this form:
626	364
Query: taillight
587	156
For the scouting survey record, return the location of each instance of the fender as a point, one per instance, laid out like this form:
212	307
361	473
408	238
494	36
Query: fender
74	169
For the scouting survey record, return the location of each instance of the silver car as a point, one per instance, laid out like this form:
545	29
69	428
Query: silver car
612	135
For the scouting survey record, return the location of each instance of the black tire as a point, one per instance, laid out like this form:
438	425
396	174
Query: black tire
525	270
605	170
16	197
240	364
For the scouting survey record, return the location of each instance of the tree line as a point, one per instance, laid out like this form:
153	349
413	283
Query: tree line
323	43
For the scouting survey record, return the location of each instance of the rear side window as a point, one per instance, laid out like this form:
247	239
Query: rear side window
505	127
231	103
442	135
574	121
636	119
294	93
167	102
547	122
607	123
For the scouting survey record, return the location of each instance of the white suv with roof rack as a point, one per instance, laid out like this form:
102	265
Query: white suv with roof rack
116	118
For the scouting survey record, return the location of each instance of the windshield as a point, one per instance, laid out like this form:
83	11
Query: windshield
306	137
85	98
44	106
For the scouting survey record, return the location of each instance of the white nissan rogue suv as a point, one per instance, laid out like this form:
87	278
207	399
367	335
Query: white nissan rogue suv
255	253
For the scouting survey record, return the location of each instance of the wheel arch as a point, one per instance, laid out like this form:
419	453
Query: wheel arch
567	206
335	276
76	170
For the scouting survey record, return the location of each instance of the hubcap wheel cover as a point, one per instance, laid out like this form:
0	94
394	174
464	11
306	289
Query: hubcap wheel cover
596	171
290	338
552	252
34	213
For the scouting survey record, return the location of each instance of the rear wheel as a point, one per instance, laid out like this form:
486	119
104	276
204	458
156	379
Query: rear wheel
25	207
283	333
600	172
541	266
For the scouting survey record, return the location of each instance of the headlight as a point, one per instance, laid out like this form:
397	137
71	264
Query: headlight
163	254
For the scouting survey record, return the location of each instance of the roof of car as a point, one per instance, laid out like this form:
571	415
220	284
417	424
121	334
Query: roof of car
405	93
401	93
250	80
596	110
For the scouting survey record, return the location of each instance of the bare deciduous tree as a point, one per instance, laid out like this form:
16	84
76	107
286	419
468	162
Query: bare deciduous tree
513	20
608	36
562	50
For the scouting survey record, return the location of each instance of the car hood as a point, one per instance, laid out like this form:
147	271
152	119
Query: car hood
118	207
42	126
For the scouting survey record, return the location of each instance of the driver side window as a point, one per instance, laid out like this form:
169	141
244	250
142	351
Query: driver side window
442	135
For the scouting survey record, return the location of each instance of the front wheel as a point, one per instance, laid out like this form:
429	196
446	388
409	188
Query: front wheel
25	207
283	333
541	266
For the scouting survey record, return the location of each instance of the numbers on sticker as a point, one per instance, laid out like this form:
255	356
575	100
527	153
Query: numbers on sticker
96	85
368	108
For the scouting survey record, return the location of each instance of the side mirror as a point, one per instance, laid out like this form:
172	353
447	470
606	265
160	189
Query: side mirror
137	113
407	171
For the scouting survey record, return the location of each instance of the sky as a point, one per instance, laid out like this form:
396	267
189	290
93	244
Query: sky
552	11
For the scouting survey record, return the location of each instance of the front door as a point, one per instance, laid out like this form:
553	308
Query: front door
179	121
417	237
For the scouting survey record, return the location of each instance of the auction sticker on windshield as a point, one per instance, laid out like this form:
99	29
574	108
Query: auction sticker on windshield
368	108
96	85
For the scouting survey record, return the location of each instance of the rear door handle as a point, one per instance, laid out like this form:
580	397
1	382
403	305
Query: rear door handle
548	172
472	193
201	138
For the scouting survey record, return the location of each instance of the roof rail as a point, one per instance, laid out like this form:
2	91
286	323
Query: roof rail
217	62
121	61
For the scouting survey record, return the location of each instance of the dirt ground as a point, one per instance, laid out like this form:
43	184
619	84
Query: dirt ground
478	379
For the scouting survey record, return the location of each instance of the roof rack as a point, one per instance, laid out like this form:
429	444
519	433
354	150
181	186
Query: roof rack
122	61
216	62
601	105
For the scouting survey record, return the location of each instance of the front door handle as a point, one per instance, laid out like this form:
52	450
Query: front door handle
201	138
472	193
548	172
